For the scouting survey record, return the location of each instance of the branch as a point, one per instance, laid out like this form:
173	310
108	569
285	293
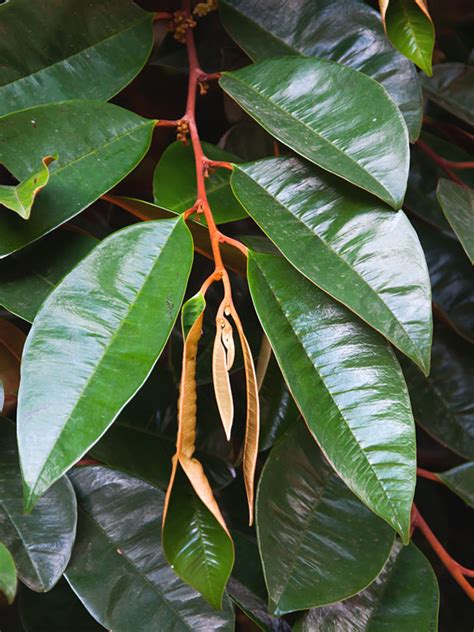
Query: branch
441	162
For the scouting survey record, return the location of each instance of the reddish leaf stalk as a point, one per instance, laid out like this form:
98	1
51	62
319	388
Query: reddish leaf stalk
431	476
458	572
446	165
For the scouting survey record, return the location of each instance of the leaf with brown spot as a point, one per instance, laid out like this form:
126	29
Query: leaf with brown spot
12	340
19	198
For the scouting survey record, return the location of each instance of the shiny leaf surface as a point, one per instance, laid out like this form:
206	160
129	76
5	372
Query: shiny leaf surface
443	402
337	30
460	480
347	384
12	341
99	315
40	542
457	203
452	88
8	581
319	544
174	183
347	243
28	277
19	198
336	117
404	597
195	544
81	49
97	144
118	560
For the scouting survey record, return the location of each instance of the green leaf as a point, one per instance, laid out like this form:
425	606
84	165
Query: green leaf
347	243
337	30
457	203
347	384
94	342
8	581
319	544
248	140
195	544
118	559
97	144
404	597
40	542
411	31
20	198
75	50
174	183
451	87
451	278
27	277
460	480
336	117
443	402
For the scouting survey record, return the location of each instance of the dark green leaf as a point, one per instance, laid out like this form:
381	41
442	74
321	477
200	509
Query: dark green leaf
248	140
457	203
461	481
80	48
404	597
452	88
348	244
8	581
118	560
19	198
443	402
28	277
411	31
94	342
97	145
319	544
452	278
40	542
174	183
346	31
336	117
195	544
347	384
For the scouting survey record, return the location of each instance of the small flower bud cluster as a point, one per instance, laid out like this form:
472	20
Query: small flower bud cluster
203	87
203	8
182	131
179	24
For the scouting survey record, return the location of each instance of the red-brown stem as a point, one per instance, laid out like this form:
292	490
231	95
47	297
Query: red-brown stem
209	76
166	123
440	161
223	164
431	476
162	15
459	165
457	571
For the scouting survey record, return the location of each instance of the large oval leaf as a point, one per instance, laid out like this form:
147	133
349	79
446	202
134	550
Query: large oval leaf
8	581
347	243
336	117
28	277
118	560
404	597
460	480
94	342
40	542
347	31
347	384
443	402
78	49
450	87
457	203
319	544
97	144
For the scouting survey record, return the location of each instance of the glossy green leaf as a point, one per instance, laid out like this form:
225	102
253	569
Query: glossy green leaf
40	542
19	198
94	342
348	244
248	140
27	277
460	480
346	31
195	544
347	384
457	203
452	278
452	88
336	117
319	544
404	597
174	182
118	560
411	31
8	581
80	49
443	402
97	144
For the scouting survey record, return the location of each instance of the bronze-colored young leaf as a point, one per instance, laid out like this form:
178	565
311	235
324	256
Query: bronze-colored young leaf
222	360
20	198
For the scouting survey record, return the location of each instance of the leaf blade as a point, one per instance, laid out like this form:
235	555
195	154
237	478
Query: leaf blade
458	206
8	581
